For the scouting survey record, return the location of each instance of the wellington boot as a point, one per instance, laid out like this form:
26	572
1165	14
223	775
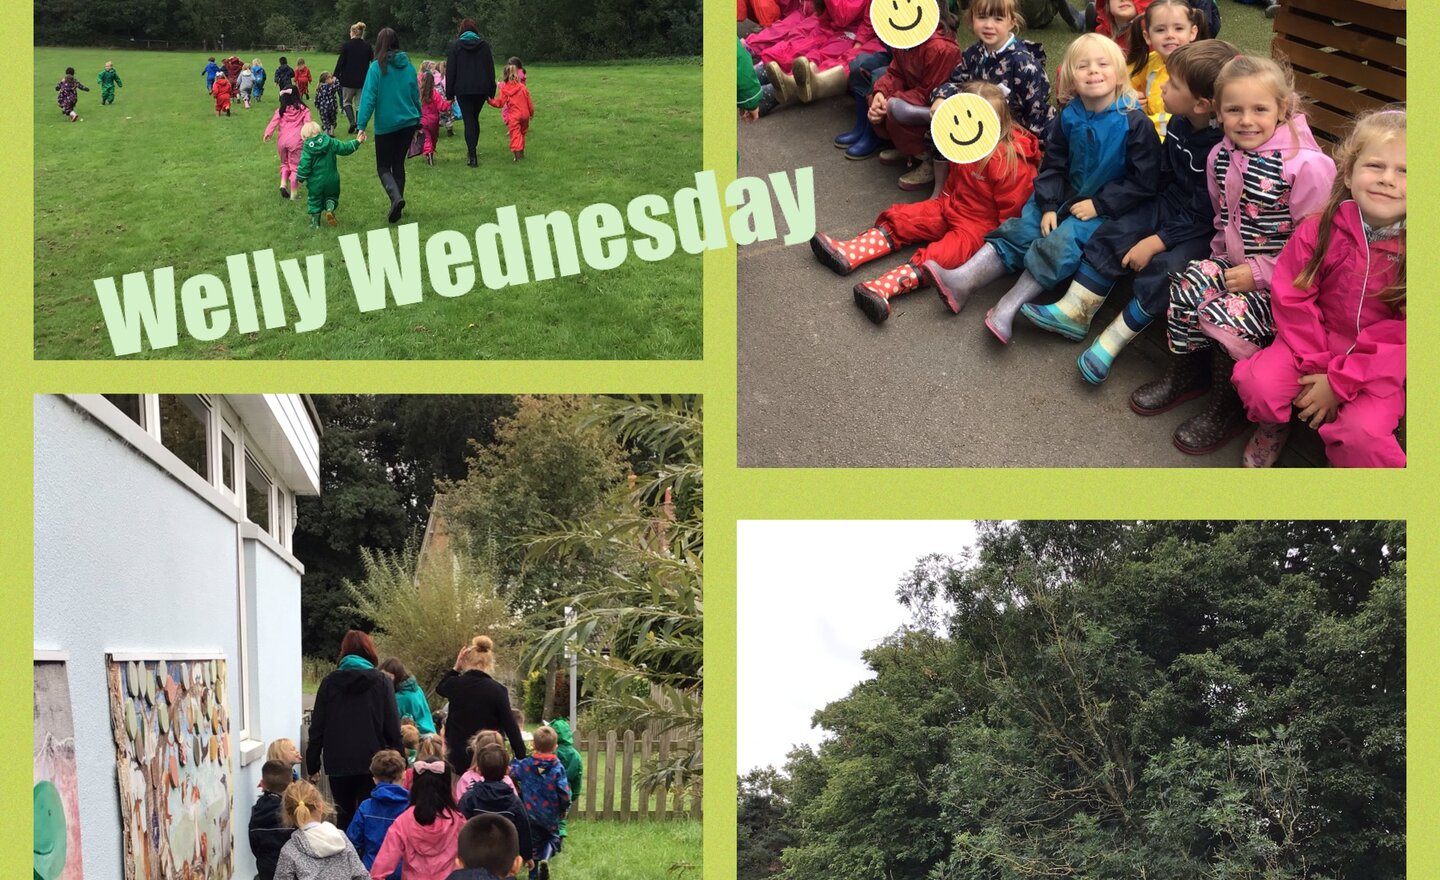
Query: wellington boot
862	125
787	91
1223	420
1187	376
1265	445
1070	316
956	285
873	296
397	199
843	257
815	84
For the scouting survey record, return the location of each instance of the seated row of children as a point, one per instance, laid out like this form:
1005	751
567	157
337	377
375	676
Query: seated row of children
416	815
1281	277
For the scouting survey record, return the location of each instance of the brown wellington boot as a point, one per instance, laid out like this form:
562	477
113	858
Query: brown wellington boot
787	91
1186	377
1222	421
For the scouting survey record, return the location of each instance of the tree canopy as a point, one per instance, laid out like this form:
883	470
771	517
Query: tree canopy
1123	700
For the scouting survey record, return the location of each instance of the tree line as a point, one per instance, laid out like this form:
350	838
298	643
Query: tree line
535	30
1115	700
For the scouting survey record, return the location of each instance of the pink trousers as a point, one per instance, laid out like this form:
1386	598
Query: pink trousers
1362	435
289	162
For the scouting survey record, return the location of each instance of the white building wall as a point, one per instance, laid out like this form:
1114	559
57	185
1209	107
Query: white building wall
129	559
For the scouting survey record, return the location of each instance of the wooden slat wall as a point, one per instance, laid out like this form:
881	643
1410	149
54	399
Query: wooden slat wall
613	795
1348	55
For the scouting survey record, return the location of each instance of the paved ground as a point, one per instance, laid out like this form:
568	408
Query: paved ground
820	386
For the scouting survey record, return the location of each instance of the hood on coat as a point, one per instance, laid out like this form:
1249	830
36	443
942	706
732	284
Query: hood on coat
1027	146
470	41
390	793
562	731
1290	138
437	838
321	841
352	678
398	61
408	686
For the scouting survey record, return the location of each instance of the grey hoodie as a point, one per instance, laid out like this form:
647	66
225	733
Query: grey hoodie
320	851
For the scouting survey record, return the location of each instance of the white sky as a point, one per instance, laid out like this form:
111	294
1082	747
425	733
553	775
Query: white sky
811	596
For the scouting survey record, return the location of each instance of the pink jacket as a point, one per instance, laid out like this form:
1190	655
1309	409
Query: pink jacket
289	124
472	776
430	110
1308	170
1340	327
427	850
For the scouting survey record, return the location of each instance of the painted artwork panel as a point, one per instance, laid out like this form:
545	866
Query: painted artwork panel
172	744
57	785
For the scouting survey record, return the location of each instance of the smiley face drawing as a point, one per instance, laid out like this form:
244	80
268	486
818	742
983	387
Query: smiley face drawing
904	24
965	128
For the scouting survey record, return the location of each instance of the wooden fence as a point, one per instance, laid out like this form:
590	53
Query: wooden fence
614	763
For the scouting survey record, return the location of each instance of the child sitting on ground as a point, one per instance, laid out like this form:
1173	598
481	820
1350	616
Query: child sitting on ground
302	78
318	172
977	198
518	109
424	836
488	849
317	850
433	108
388	799
1166	25
285	751
906	84
290	118
68	94
268	831
493	794
1338	295
574	769
327	101
541	783
1101	161
108	80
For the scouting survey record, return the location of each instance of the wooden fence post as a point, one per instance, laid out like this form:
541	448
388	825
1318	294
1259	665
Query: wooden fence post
610	775
626	778
591	754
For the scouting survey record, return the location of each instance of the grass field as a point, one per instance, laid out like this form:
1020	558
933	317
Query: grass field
1243	25
157	180
630	851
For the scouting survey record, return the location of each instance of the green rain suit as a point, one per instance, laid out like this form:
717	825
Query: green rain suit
108	79
318	172
574	767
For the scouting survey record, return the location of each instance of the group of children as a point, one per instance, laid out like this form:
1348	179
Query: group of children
235	80
68	89
500	816
1188	168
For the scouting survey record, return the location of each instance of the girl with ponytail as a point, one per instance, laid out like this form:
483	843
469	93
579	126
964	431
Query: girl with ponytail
317	850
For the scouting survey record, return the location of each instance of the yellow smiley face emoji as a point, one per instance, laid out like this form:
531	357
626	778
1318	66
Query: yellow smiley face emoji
904	24
965	128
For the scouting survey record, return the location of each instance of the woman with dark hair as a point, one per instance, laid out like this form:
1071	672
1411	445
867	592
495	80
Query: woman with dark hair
409	699
470	80
392	95
354	717
477	702
350	70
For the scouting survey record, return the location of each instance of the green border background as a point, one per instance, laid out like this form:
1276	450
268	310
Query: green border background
736	494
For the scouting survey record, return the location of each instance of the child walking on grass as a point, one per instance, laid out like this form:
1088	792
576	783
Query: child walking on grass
1264	177
1100	162
423	837
302	78
541	782
514	98
68	94
257	72
388	799
327	101
1338	296
222	90
290	119
318	171
317	850
493	794
212	70
108	79
433	107
245	85
574	769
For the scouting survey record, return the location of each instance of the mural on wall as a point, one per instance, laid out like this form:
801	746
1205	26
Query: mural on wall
172	744
57	791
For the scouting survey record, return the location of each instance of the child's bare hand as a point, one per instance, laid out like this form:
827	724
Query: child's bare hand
1048	221
877	108
750	115
1083	210
360	137
1139	256
1239	278
1316	400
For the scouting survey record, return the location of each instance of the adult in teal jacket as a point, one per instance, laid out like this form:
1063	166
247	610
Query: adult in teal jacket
409	698
392	96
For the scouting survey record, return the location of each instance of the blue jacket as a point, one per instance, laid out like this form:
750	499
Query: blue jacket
212	70
411	701
1105	156
543	788
393	98
373	817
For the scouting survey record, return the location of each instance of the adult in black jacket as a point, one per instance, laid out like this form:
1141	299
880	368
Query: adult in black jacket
351	67
477	702
354	717
470	80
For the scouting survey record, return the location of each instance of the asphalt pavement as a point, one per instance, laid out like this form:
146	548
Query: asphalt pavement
821	386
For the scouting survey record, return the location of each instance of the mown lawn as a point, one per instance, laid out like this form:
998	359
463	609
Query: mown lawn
599	850
157	180
1243	25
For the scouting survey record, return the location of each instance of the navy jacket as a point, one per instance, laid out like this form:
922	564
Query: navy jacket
1111	157
268	834
496	797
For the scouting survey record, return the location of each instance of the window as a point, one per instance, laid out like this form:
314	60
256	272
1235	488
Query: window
129	404
185	430
227	461
257	494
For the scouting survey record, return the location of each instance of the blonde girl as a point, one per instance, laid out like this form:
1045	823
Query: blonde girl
431	747
317	850
1166	26
1338	296
285	751
950	228
1265	176
1101	161
473	775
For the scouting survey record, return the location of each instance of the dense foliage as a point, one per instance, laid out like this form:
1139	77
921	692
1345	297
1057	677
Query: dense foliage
536	30
1124	700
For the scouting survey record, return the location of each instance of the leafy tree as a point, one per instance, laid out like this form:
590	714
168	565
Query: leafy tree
761	819
1122	700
